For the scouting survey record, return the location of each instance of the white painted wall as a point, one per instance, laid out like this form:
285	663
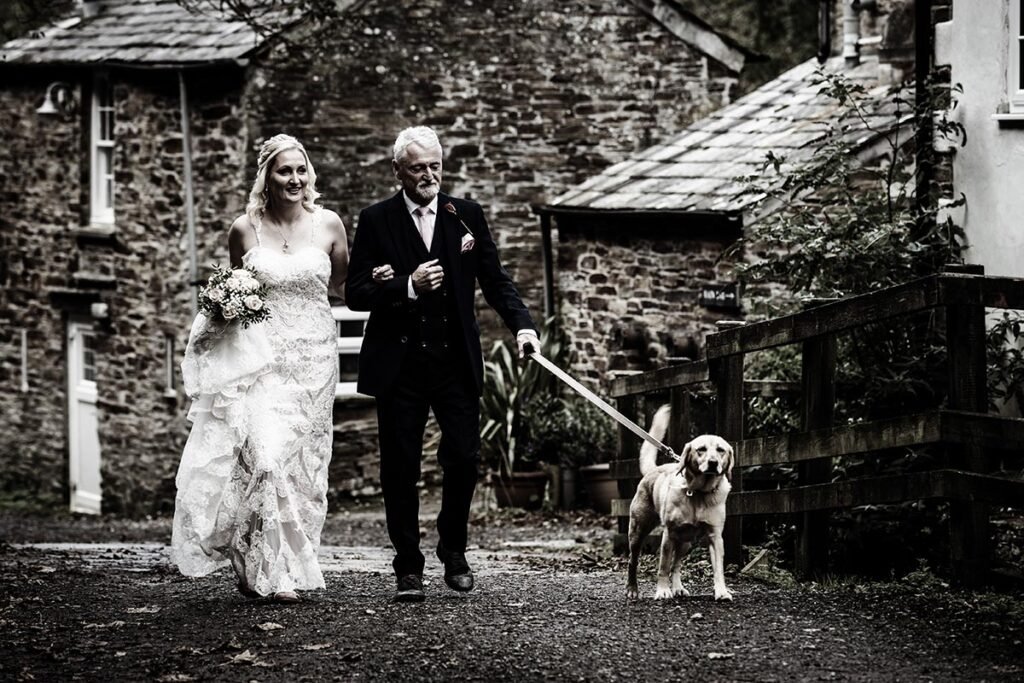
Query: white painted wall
989	170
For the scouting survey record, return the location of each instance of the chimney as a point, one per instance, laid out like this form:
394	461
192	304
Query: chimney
89	8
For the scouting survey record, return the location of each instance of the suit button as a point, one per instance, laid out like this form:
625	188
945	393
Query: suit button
444	345
404	339
423	319
423	345
444	318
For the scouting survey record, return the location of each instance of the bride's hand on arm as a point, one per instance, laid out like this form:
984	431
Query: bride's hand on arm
338	253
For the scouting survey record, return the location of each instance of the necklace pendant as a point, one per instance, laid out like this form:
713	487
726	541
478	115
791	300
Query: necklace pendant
285	248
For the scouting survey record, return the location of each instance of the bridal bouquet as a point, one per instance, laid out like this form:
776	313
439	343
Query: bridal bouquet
232	295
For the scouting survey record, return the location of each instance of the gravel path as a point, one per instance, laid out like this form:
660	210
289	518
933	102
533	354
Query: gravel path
100	601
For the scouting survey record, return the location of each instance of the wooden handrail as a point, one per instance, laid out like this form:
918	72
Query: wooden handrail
919	295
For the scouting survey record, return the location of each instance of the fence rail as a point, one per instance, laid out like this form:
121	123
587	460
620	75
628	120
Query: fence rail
964	430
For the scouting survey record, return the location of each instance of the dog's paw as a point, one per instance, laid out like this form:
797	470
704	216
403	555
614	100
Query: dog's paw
663	593
632	593
723	594
680	591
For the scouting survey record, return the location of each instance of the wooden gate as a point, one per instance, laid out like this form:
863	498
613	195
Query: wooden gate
963	428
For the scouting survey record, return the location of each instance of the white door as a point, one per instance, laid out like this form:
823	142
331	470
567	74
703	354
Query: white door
83	428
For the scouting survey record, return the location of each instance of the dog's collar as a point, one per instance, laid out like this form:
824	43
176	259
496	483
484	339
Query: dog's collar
690	492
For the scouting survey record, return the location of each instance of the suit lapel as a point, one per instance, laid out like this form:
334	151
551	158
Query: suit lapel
453	230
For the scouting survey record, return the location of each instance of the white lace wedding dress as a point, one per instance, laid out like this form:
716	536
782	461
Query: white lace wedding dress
252	483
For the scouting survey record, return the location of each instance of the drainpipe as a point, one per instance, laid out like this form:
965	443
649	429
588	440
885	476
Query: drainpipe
851	33
190	219
549	270
851	28
924	40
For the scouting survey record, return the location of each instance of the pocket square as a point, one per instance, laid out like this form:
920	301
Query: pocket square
467	243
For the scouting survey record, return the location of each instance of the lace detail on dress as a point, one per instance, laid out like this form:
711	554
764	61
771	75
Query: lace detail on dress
252	485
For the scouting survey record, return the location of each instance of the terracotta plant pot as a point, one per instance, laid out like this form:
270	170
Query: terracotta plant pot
599	486
520	489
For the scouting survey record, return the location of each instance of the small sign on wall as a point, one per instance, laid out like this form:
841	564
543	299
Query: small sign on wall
724	297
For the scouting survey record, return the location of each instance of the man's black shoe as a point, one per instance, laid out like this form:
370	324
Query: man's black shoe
456	570
410	589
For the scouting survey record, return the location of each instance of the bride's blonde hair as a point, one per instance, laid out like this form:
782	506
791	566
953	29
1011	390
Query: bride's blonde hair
270	148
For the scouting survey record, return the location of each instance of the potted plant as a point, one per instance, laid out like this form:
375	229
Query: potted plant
519	478
579	438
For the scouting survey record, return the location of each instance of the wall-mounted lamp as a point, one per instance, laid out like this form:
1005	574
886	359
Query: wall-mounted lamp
59	99
99	310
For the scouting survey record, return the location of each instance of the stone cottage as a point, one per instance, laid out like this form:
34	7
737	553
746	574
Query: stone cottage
633	254
131	129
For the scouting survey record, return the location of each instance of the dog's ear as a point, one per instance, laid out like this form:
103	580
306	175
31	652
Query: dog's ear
732	460
684	459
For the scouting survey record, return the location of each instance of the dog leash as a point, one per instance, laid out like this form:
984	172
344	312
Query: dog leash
598	401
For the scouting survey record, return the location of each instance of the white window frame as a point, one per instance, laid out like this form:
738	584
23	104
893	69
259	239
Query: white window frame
101	153
348	346
1015	79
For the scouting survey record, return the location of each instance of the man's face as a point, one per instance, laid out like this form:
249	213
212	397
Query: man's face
419	172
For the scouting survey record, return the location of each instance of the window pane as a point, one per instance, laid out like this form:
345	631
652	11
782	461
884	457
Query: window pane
348	365
104	179
88	358
107	119
1020	62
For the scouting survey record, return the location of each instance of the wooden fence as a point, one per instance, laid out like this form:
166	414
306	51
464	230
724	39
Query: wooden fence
966	432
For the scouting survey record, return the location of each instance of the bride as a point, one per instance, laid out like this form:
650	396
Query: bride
252	483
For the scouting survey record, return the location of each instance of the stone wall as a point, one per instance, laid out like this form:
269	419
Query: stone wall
529	97
52	272
39	190
631	303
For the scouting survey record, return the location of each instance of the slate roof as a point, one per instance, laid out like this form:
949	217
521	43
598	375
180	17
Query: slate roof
137	32
696	171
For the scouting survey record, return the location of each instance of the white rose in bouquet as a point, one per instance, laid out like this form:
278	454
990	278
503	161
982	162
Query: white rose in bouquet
234	295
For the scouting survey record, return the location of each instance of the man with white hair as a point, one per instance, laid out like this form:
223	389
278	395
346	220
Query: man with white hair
416	260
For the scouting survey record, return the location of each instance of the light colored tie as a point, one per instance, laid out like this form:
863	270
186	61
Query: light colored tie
425	228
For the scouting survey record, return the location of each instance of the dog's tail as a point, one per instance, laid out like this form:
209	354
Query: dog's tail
649	453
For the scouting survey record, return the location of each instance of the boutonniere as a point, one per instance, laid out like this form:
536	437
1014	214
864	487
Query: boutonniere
468	241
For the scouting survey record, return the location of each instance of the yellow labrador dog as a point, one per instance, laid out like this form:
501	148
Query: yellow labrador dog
688	499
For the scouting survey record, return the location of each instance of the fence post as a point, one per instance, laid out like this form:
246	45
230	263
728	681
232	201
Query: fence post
679	419
818	389
965	348
727	374
629	450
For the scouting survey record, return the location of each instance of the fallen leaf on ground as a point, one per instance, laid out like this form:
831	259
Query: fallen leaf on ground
721	655
696	615
174	678
246	657
152	609
317	646
269	626
112	624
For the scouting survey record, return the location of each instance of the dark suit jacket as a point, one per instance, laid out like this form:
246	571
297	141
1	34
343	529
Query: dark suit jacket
386	234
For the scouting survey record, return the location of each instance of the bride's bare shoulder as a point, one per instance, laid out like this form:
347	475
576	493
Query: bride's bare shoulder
332	223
